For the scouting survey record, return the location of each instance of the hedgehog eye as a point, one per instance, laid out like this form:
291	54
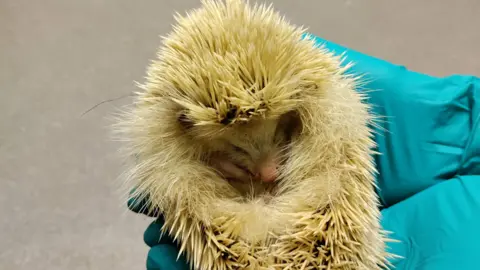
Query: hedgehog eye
240	150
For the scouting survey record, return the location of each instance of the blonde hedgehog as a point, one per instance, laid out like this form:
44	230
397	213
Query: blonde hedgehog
255	147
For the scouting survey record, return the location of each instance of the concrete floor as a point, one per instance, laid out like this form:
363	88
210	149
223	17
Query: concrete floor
59	198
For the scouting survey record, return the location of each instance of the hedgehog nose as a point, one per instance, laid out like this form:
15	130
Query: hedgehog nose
268	171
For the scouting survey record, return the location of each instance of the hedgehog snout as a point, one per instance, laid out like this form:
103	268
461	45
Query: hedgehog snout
267	171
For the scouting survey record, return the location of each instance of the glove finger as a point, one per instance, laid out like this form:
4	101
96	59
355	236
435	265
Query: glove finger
153	236
164	257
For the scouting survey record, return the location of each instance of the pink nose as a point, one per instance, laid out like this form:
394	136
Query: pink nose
268	171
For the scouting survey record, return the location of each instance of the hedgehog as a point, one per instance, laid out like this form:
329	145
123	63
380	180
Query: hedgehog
253	144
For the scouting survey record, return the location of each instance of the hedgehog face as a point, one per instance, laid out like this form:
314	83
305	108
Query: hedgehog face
246	151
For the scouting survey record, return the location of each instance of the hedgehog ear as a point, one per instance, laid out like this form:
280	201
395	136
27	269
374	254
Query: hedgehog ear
290	124
183	119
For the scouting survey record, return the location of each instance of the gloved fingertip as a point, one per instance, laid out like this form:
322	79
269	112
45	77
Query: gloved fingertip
164	257
153	236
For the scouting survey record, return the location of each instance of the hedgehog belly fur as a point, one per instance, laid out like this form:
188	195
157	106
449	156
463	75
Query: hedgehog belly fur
229	64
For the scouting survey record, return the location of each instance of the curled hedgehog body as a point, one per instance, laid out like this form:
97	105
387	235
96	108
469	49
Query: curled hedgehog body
228	69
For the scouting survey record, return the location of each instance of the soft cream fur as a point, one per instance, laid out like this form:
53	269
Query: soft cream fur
325	215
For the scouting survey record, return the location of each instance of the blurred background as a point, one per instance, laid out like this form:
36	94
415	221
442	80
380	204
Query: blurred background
60	203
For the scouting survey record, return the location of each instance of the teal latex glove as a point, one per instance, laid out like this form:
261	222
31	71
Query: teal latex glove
429	181
438	227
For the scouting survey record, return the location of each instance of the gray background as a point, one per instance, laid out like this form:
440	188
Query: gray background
60	205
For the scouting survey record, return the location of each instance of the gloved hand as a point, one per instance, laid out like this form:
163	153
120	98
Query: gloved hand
429	167
438	229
